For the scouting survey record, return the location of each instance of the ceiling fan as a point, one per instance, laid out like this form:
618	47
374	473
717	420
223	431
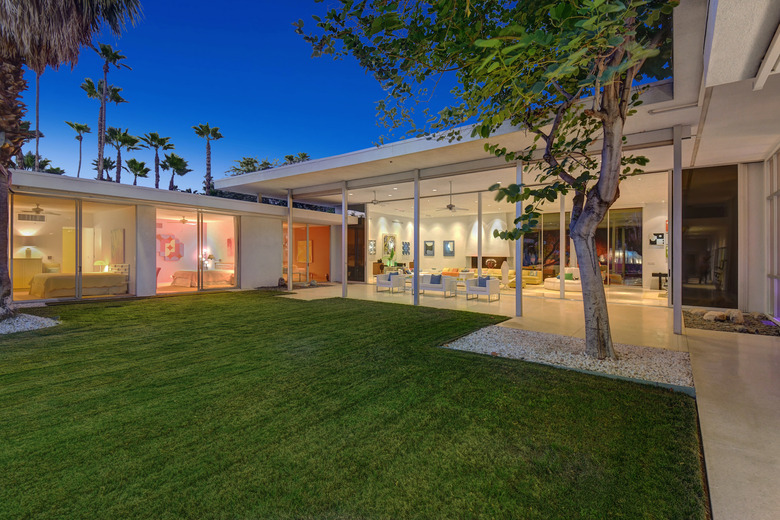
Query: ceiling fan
451	207
374	201
184	220
39	210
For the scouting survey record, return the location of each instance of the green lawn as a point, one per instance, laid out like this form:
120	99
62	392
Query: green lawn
250	405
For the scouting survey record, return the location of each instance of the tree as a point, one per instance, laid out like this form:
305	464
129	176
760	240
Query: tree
138	169
292	159
108	165
210	134
244	165
534	65
119	139
32	163
177	165
110	57
95	91
153	140
40	34
80	129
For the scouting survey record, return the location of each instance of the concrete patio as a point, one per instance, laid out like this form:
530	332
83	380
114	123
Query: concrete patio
736	376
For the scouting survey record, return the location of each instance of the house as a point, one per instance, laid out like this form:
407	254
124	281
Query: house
699	227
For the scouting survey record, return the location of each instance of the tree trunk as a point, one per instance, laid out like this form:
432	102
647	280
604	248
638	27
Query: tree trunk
598	337
171	185
6	288
78	172
208	165
37	118
118	164
156	168
135	180
101	130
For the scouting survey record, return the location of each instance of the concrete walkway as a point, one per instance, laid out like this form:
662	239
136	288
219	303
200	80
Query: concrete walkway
736	376
737	379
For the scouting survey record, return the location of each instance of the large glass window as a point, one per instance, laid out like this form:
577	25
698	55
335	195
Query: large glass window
218	251
107	249
709	240
44	247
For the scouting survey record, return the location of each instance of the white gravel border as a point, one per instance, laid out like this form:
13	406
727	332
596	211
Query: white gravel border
25	322
644	363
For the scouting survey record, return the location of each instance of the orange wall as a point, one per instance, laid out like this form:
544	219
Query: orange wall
319	268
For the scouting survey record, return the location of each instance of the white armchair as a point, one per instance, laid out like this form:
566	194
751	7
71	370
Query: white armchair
492	287
448	285
393	283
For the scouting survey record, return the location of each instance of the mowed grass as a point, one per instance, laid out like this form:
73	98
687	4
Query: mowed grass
248	405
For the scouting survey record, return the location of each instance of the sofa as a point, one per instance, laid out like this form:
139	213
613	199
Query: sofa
574	285
532	275
491	288
447	285
394	283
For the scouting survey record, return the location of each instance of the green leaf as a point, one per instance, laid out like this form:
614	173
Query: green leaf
488	43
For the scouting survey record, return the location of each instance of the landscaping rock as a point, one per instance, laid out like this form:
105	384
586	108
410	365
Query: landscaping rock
741	328
699	312
715	316
735	316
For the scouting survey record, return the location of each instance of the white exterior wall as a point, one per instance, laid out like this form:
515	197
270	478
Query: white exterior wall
260	250
753	268
146	250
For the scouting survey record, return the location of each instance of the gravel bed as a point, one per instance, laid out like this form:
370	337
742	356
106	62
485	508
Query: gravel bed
755	323
24	322
649	364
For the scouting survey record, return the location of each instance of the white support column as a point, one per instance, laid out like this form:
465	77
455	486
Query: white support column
479	234
519	250
344	227
289	240
562	247
677	230
416	245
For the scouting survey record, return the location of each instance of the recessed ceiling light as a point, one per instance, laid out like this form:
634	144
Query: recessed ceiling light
351	193
434	189
389	195
395	188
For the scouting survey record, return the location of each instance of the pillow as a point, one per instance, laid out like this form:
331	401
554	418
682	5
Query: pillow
390	276
482	281
435	279
569	276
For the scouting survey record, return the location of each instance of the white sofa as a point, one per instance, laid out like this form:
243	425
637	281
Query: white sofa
554	283
492	288
448	285
393	283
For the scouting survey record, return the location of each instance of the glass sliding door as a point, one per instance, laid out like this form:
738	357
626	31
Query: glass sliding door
177	251
218	251
107	249
43	247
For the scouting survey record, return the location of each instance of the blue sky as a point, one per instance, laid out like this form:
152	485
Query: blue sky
237	65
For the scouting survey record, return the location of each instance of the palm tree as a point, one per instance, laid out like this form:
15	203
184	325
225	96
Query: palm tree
32	162
245	165
40	34
108	165
138	169
211	134
153	140
95	91
292	159
110	57
80	129
177	165
119	139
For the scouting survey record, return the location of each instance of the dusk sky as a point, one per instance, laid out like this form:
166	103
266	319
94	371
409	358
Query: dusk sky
237	65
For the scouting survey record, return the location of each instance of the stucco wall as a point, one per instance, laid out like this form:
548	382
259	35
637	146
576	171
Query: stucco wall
260	250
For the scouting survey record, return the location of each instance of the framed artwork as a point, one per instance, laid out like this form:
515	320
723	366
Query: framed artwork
406	248
170	248
449	248
118	246
388	245
657	239
372	247
428	248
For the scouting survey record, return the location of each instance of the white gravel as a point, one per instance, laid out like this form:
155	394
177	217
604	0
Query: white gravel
24	322
646	363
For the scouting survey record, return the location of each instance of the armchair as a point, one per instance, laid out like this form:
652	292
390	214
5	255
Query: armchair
490	289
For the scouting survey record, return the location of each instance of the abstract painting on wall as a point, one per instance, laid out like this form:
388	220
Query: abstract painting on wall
388	245
406	248
170	248
301	249
118	246
372	247
428	248
449	248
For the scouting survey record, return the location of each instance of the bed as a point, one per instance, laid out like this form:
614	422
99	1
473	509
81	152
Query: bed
63	285
211	278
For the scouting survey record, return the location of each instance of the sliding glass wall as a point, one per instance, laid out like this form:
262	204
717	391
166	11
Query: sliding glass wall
54	239
311	253
195	251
